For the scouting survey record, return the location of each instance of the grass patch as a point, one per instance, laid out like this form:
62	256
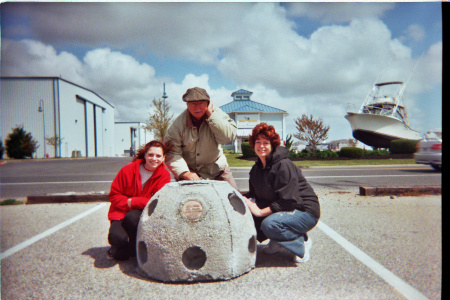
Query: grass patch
235	160
10	202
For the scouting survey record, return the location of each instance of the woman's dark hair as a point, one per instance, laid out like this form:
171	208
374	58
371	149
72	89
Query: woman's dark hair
166	147
265	131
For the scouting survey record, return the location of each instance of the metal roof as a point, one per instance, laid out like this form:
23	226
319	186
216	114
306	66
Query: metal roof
241	91
53	78
249	106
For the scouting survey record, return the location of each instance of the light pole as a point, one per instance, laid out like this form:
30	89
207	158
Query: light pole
41	109
164	99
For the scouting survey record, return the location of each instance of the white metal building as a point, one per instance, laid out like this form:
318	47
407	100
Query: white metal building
129	136
55	107
247	114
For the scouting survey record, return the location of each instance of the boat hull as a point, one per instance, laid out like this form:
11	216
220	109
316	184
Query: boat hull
378	131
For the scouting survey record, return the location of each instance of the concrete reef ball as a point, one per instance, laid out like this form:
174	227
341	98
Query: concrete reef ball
196	231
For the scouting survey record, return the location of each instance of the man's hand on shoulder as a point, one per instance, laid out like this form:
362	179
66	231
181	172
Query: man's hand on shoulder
210	109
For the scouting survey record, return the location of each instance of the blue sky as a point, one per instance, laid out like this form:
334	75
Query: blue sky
302	57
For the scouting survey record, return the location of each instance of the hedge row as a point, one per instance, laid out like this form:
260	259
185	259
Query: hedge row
397	147
403	146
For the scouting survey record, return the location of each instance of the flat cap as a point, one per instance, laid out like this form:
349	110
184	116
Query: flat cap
195	94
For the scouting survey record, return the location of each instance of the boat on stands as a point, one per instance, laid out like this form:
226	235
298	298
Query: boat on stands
382	117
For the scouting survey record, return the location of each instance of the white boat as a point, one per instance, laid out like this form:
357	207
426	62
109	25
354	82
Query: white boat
382	116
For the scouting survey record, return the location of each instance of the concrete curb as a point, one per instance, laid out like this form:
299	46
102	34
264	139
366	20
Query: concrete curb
399	190
72	198
363	191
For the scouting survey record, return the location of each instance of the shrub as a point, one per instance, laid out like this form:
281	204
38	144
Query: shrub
247	151
331	153
376	152
305	154
10	202
325	154
352	152
402	146
20	144
292	154
321	154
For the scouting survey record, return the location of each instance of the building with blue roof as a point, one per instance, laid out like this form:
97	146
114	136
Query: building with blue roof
248	113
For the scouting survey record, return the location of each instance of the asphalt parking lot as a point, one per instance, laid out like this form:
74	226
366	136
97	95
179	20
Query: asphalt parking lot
363	248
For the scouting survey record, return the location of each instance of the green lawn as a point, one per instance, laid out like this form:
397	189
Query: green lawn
234	161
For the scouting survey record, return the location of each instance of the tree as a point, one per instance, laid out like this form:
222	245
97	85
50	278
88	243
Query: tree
310	130
289	141
159	121
20	144
54	141
353	142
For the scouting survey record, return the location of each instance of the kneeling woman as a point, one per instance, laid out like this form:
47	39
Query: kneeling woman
283	204
131	190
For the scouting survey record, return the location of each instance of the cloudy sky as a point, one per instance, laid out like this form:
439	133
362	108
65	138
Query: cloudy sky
313	58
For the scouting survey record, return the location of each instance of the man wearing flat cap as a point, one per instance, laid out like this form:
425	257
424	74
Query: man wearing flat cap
197	135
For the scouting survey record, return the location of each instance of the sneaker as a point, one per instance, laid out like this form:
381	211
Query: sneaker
272	248
307	255
109	254
303	259
308	244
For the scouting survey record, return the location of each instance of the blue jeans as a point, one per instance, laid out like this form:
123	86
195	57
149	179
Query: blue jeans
288	229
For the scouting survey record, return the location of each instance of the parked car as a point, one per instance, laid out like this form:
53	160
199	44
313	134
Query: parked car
429	150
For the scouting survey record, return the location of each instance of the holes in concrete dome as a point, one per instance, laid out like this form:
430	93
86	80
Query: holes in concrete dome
194	258
142	252
252	244
152	206
237	203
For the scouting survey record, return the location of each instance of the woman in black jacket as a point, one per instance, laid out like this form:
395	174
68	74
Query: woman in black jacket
283	204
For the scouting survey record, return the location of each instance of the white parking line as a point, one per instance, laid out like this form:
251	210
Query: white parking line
48	232
404	288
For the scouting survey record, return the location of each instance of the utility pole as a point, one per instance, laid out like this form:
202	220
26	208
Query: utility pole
164	94
42	110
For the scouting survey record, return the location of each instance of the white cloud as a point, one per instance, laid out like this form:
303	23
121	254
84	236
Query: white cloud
415	32
328	13
32	58
254	45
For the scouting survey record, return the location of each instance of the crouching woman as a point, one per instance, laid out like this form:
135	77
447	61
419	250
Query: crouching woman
283	204
130	192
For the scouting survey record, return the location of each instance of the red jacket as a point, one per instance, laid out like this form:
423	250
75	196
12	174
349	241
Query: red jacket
127	184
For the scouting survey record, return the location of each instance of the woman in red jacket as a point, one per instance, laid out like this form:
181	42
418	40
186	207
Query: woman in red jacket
131	190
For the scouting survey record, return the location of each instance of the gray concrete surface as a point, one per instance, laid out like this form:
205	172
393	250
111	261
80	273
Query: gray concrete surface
402	234
194	231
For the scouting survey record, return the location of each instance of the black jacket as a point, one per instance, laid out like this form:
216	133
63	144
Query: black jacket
281	185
